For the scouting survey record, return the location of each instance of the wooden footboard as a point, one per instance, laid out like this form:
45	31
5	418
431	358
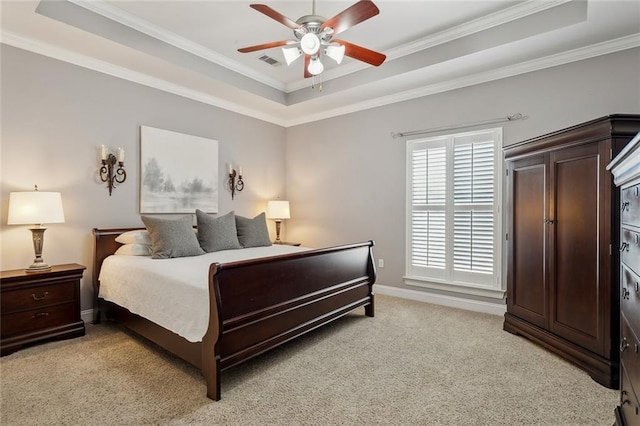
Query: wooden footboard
259	304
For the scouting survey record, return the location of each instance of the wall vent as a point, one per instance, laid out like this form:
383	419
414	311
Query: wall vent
269	60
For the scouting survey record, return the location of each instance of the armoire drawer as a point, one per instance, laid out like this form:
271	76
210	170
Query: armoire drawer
630	297
630	249
630	205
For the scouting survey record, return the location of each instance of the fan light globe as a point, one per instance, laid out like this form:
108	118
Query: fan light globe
315	66
291	54
310	44
335	52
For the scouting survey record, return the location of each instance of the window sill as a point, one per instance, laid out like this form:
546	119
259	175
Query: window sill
456	287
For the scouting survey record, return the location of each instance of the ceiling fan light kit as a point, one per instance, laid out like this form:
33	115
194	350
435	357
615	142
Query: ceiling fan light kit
313	32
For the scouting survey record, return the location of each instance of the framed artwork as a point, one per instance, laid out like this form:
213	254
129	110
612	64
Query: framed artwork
178	172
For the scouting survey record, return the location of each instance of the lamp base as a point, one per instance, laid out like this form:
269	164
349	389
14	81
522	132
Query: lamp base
38	267
38	264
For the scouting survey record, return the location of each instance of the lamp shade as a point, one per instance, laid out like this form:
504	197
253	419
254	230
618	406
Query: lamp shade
278	210
35	207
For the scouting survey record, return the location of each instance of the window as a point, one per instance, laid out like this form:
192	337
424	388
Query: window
453	212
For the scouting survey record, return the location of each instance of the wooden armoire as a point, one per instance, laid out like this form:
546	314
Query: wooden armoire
562	247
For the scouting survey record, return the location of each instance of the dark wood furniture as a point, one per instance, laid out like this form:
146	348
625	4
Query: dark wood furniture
562	257
626	171
256	305
37	306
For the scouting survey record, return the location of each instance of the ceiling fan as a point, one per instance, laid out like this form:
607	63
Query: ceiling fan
314	35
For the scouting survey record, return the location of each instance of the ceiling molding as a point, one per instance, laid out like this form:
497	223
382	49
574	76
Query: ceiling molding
496	19
603	48
120	16
599	49
107	68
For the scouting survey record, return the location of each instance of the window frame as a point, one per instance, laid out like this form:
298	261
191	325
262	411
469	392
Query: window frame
450	280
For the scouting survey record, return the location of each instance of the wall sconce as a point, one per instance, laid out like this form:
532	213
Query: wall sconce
108	172
35	208
278	210
235	185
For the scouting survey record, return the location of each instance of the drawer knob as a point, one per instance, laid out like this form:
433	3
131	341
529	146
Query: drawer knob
637	286
623	397
39	297
624	246
625	206
46	314
623	344
625	293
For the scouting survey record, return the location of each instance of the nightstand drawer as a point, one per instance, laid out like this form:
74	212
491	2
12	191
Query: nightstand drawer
34	297
37	319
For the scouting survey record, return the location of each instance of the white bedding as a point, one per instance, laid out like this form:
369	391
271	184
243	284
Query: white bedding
172	293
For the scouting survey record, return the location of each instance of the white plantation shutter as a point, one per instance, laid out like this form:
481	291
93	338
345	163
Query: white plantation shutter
452	210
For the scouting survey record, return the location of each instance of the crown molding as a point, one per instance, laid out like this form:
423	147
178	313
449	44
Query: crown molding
107	68
118	15
603	48
483	23
599	49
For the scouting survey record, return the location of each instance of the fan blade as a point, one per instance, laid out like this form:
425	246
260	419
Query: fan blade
265	46
353	15
307	61
362	54
263	8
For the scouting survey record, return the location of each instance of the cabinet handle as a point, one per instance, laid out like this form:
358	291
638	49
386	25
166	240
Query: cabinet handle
625	293
624	246
548	222
40	314
625	206
637	286
623	344
39	297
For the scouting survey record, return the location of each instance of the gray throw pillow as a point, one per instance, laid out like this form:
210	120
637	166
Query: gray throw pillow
217	233
172	237
253	232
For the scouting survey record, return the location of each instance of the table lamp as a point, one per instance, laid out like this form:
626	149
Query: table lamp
278	210
35	208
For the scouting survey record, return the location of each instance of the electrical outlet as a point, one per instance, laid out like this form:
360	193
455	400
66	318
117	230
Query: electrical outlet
380	263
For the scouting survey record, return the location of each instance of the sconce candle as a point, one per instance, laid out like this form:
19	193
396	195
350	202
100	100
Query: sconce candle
108	172
235	184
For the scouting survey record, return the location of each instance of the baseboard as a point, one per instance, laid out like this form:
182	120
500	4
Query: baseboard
440	299
87	315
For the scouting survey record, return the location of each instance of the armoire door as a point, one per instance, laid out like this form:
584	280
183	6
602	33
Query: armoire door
579	275
528	289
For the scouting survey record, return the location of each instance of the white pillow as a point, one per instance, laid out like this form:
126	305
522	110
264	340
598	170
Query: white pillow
134	250
139	236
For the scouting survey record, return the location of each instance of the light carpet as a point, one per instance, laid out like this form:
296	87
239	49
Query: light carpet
413	364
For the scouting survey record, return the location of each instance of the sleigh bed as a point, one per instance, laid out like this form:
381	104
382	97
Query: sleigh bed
254	305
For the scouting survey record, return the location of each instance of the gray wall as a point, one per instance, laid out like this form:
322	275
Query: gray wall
346	175
55	116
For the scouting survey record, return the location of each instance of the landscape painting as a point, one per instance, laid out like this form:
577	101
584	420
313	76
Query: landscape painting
179	173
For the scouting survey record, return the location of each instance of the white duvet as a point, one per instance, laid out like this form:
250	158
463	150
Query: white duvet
172	293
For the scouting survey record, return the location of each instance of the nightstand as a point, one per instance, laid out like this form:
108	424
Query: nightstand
286	243
35	306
